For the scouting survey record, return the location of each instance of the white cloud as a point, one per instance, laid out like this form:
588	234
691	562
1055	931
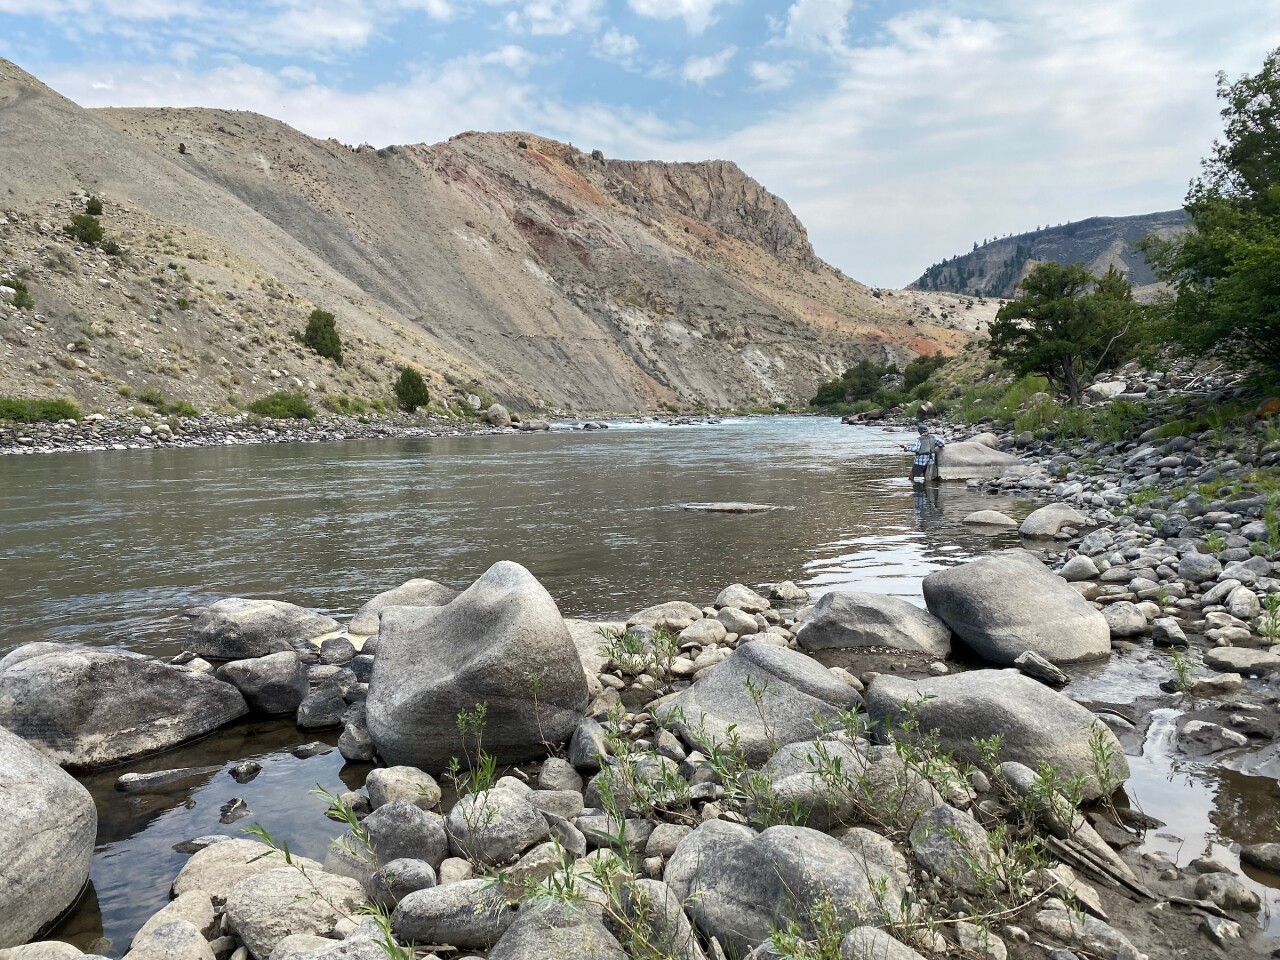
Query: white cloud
817	24
696	14
698	70
435	9
123	9
771	76
555	17
617	47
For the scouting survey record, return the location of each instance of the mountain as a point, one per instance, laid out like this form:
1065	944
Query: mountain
498	263
995	268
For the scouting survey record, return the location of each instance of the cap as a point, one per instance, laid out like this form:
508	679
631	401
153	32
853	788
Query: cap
922	428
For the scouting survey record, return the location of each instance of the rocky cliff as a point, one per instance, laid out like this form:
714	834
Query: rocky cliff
504	263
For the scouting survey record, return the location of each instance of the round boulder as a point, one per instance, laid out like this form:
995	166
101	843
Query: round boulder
275	684
847	619
238	628
418	592
264	909
1047	521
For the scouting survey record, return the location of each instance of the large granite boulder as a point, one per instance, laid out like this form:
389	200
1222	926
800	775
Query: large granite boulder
549	930
1048	520
968	460
275	684
88	708
846	619
219	868
739	886
1037	725
267	907
238	628
46	840
768	695
418	592
501	643
1005	603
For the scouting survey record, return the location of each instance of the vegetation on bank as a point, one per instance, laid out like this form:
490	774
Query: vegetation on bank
36	410
283	405
321	336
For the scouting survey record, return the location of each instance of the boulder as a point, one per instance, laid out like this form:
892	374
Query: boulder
470	914
497	415
265	908
194	907
1047	521
792	692
386	784
418	592
46	840
395	831
1005	603
88	708
1079	569
741	597
951	845
1037	724
173	939
275	684
987	439
238	628
494	826
490	646
1199	567
218	868
550	930
1124	620
968	461
846	619
739	886
1200	737
396	880
322	710
989	518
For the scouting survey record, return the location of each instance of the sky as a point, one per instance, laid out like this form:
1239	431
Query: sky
899	132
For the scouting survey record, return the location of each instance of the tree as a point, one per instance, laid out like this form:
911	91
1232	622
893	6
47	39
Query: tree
322	335
1225	271
1066	325
93	207
411	390
85	229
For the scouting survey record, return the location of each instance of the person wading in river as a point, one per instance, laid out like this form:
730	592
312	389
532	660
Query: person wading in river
926	447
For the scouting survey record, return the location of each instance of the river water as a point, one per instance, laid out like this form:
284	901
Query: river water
109	548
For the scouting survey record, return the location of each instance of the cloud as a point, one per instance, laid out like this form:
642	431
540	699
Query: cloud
696	14
617	47
817	24
698	70
555	18
771	76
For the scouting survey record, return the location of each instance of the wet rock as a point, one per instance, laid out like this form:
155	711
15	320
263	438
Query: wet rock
159	779
245	770
217	869
237	628
46	840
265	908
951	845
233	810
434	662
791	690
1003	604
418	592
471	914
494	826
315	748
990	518
1199	737
1038	725
1124	620
1038	668
847	619
1048	520
322	710
1264	855
88	708
275	684
1228	892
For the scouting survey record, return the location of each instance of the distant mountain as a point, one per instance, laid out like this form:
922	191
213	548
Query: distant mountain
995	268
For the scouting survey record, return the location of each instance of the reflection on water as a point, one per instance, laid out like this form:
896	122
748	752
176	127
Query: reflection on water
108	547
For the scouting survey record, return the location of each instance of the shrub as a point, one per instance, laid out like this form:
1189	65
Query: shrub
183	408
111	248
153	396
342	403
411	390
283	405
22	296
321	335
84	228
921	369
183	303
93	207
35	410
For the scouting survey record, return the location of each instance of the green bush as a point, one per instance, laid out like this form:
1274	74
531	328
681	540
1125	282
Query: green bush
283	405
411	390
342	403
183	303
183	408
921	369
85	229
34	410
93	207
111	248
321	335
22	298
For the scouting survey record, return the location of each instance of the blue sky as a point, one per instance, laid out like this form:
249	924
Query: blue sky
900	132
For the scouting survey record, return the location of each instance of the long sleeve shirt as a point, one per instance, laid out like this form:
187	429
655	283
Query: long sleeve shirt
924	448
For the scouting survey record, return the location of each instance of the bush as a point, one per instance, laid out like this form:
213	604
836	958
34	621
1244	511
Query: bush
111	248
321	335
84	228
93	207
919	370
22	298
33	410
283	405
342	403
183	303
411	390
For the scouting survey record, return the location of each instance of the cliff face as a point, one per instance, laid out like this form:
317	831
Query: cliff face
547	276
995	268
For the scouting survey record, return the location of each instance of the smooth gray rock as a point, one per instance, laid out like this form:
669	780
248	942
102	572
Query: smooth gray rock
219	868
172	939
559	774
1124	620
792	689
1167	632
394	881
1038	668
848	619
88	708
1199	567
1200	737
741	597
322	710
337	651
275	684
587	746
483	648
385	784
397	830
968	461
1264	855
1048	520
1242	660
652	906
356	743
46	840
990	518
238	628
1037	724
872	943
494	826
672	616
265	908
195	907
1005	603
418	592
471	914
951	845
1079	569
557	931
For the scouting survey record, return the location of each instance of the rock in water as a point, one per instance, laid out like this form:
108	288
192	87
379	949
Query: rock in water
89	708
418	592
969	460
787	687
1037	724
1047	521
501	643
46	840
275	684
845	619
237	628
1005	603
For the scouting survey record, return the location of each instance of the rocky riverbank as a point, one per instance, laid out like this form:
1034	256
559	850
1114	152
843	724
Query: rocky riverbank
755	774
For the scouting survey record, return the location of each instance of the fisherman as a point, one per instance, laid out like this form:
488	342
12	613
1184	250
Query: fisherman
926	451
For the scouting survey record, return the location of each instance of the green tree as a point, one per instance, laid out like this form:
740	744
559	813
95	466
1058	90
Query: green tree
85	229
1225	271
1066	325
321	335
411	390
93	207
